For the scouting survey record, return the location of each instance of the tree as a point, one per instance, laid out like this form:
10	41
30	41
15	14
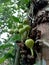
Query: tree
17	19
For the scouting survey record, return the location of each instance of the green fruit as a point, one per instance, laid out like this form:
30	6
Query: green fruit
21	30
27	27
20	26
29	43
26	21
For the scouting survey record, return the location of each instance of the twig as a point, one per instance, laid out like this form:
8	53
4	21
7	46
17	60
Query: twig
44	42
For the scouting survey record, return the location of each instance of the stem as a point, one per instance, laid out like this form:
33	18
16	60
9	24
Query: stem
32	51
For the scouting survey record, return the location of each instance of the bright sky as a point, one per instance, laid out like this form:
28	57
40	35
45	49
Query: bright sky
4	35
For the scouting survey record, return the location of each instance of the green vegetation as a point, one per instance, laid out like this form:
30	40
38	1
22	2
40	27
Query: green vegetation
12	16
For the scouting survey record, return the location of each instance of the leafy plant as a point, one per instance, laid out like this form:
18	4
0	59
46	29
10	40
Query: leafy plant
9	23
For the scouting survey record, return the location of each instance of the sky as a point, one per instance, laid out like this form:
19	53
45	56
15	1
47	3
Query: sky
4	35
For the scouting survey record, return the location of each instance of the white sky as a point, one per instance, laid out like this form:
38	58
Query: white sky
4	35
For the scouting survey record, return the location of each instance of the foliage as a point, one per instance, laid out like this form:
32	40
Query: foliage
12	12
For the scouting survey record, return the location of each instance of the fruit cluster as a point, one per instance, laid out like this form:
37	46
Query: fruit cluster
29	46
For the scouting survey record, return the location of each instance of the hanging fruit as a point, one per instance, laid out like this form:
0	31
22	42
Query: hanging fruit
20	26
27	27
30	43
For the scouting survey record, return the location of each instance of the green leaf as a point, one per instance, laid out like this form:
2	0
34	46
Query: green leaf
16	19
7	55
1	23
11	50
4	1
2	59
15	37
26	1
9	24
1	10
3	46
22	3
